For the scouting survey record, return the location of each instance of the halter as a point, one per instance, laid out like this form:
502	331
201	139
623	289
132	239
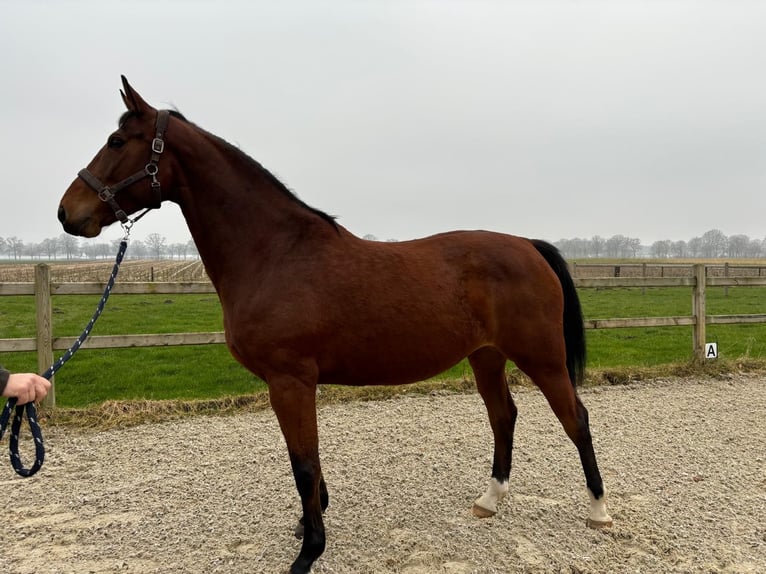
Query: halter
106	193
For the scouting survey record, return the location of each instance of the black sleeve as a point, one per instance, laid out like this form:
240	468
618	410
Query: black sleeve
3	379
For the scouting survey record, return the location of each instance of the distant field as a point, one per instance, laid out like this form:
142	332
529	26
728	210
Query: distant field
94	376
130	270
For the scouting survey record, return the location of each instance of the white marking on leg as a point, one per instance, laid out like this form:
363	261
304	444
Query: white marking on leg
494	494
598	514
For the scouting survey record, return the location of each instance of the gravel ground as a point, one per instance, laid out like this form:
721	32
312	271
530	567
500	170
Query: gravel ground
684	463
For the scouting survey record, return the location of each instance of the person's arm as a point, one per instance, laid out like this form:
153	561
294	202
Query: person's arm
3	379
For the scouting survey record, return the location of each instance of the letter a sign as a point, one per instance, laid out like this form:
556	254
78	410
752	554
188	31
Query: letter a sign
711	350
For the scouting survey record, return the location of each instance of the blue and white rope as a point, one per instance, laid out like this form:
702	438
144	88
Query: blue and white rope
31	412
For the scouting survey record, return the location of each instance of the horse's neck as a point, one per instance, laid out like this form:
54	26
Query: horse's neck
241	222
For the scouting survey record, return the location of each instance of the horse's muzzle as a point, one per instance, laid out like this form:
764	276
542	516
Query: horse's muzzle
82	228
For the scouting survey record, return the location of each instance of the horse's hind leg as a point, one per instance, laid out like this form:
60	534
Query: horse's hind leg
562	397
489	369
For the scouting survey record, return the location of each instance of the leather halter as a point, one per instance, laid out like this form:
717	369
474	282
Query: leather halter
106	193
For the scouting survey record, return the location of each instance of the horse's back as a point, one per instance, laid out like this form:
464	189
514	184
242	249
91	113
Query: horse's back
480	261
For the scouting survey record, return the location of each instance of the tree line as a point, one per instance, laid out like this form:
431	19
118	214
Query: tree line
713	244
68	247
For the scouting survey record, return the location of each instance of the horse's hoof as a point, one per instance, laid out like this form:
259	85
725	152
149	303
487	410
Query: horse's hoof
598	524
481	512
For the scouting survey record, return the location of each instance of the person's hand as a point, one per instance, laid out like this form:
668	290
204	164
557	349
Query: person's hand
26	387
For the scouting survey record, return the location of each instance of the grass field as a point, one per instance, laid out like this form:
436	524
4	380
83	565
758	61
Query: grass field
662	345
209	372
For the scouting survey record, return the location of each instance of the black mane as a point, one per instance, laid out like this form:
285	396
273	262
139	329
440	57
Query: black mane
284	189
269	176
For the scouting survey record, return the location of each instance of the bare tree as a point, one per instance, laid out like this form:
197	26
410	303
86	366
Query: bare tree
679	249
32	250
14	246
713	243
70	245
695	247
103	250
580	247
737	245
661	249
50	247
191	249
178	250
756	248
633	245
616	246
156	244
597	245
137	249
90	249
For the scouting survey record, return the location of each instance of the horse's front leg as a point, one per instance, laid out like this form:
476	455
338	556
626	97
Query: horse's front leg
324	499
294	402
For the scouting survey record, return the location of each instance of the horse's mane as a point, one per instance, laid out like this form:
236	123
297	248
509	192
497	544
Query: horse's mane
248	161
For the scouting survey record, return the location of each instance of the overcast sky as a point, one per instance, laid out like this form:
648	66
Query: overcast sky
550	119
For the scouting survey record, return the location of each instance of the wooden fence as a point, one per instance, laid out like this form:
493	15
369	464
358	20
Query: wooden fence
727	269
695	277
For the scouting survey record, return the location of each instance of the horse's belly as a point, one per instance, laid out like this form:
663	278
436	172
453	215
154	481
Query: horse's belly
393	361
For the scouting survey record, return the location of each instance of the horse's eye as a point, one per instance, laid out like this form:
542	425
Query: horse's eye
115	142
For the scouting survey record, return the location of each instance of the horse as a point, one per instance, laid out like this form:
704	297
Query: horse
306	303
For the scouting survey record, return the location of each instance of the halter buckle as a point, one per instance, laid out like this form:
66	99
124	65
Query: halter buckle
105	194
158	145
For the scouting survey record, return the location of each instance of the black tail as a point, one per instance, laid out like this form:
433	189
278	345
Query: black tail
574	332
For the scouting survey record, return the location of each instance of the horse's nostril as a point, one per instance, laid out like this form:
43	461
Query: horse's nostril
62	214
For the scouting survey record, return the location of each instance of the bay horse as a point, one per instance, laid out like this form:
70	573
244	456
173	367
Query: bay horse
307	303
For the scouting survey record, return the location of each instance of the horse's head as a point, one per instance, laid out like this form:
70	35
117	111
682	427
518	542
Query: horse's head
128	174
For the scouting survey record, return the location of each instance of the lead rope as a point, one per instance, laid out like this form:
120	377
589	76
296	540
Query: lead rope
30	409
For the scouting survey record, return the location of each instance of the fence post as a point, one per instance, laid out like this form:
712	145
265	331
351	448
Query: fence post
643	274
698	310
44	326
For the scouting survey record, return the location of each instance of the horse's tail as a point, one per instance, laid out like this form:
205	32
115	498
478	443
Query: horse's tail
574	331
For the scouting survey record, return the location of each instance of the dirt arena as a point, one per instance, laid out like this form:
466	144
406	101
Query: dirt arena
684	463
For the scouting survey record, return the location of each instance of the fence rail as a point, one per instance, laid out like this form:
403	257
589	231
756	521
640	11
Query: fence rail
583	270
697	277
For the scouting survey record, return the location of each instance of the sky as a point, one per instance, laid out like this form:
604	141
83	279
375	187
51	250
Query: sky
541	118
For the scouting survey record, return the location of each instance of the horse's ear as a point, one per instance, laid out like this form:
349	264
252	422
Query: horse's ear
133	101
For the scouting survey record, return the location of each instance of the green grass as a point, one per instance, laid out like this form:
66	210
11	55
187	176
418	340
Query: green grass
652	346
124	314
153	373
209	372
158	373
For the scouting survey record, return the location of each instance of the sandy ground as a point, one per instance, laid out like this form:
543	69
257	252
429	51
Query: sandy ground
684	463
